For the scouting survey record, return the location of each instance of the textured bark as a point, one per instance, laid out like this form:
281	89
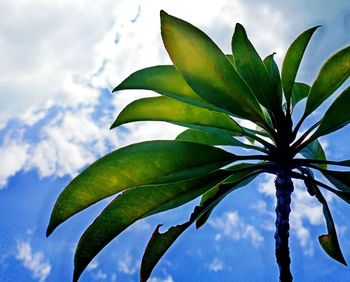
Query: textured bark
284	189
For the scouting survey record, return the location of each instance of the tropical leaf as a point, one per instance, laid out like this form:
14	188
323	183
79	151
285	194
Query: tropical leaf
252	69
161	242
300	92
336	117
340	179
275	77
243	174
136	165
314	151
292	61
133	205
204	137
329	242
207	70
167	81
332	75
170	110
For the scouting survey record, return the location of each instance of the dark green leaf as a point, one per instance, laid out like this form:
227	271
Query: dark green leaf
231	59
252	69
300	92
329	242
207	70
170	110
337	115
243	174
208	138
340	179
332	75
161	242
134	204
315	151
275	77
292	61
136	165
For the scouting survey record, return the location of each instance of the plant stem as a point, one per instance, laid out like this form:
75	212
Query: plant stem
284	189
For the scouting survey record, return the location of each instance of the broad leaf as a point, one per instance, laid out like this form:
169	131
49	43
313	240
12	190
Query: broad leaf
332	75
232	60
164	80
243	174
275	77
329	242
300	92
133	205
337	115
207	70
292	61
340	179
161	242
170	110
252	69
136	165
314	151
208	138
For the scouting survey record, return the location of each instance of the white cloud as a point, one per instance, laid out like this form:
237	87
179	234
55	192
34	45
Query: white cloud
33	261
157	279
232	226
13	155
216	265
99	275
127	265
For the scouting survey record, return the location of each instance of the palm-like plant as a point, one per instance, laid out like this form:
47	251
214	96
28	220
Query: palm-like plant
206	90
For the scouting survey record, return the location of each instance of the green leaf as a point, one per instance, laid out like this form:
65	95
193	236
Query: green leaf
292	61
164	80
161	242
252	69
203	137
207	70
136	165
315	151
208	138
170	110
300	91
135	204
275	77
243	174
332	75
340	179
329	242
337	115
231	58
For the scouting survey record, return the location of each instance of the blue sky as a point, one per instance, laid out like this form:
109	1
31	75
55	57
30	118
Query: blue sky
59	61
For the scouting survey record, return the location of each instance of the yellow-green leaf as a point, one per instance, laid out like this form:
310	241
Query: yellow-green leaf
207	70
135	204
135	165
334	72
170	110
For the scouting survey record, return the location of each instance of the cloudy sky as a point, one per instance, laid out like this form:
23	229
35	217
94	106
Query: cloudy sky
59	61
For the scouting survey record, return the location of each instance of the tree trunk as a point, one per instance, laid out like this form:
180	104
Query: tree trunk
284	189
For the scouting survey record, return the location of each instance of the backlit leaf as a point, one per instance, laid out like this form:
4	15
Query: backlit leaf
170	110
136	165
292	61
252	69
134	204
207	70
334	72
